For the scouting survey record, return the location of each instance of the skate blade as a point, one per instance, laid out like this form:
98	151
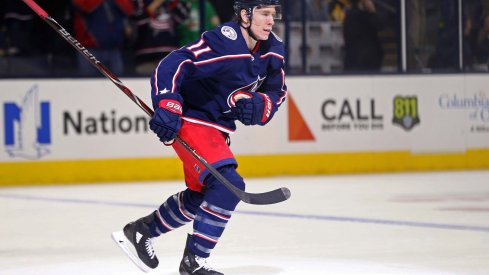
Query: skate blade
121	240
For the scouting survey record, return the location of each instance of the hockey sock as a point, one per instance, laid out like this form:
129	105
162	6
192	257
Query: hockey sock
214	213
209	225
175	212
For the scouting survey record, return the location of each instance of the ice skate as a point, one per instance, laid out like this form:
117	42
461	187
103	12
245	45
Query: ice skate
136	241
193	264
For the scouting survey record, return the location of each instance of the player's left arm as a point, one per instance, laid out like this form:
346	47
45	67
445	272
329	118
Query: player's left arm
274	92
275	87
258	108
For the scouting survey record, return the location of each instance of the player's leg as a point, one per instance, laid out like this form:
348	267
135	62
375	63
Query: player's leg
137	238
175	212
218	202
210	221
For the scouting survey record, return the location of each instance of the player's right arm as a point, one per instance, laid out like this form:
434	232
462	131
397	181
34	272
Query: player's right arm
195	61
191	62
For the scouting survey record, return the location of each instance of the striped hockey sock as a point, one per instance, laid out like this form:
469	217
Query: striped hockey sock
209	225
175	212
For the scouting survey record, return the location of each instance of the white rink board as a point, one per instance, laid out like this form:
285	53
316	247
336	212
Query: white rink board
439	130
92	98
446	123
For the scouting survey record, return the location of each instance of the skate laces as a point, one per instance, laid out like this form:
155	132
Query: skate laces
149	247
202	262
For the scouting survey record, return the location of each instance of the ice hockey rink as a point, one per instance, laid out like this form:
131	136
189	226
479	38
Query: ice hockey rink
418	223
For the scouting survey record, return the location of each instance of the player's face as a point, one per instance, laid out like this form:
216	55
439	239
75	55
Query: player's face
263	21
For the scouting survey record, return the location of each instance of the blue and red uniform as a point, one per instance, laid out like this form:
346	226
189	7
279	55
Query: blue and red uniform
233	72
209	75
205	82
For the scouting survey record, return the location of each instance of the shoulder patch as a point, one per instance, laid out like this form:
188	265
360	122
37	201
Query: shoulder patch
229	32
278	38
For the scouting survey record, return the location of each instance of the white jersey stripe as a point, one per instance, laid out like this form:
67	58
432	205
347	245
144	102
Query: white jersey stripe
163	222
201	122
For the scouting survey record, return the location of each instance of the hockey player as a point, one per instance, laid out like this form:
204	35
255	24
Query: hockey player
234	72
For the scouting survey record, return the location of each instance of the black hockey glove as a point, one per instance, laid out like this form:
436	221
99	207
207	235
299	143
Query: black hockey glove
166	121
258	109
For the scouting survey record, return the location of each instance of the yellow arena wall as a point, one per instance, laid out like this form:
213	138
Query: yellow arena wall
93	171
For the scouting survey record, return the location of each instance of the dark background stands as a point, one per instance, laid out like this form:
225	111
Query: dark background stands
363	50
101	25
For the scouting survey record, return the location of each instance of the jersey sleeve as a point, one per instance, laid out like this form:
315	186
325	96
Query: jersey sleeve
204	58
274	85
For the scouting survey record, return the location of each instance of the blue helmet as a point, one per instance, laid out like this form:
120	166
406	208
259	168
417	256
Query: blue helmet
249	5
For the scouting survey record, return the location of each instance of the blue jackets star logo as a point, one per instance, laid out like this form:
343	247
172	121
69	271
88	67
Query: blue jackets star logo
164	91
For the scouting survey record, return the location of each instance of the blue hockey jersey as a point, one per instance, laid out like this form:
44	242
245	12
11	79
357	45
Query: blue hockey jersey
210	73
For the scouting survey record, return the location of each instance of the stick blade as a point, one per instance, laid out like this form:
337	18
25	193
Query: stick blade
270	197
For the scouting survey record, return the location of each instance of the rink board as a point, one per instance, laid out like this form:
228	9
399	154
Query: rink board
67	130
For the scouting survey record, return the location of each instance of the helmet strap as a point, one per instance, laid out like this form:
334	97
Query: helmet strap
249	14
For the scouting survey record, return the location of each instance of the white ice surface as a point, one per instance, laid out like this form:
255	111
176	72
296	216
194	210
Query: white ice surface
423	223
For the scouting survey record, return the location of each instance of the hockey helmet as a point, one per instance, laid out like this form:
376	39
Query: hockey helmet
250	5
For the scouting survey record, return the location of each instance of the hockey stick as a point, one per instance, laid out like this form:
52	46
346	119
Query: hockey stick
271	197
